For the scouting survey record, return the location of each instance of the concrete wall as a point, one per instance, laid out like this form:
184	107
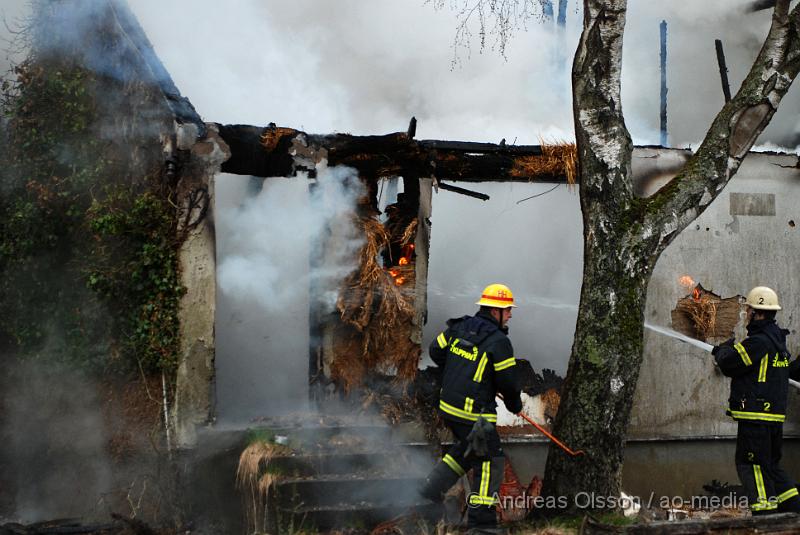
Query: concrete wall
747	237
193	404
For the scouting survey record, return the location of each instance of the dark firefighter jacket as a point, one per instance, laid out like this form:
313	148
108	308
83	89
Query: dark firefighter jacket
759	369
478	362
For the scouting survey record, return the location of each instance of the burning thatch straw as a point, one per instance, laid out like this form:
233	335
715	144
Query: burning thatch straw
557	159
410	233
254	477
704	316
702	309
380	307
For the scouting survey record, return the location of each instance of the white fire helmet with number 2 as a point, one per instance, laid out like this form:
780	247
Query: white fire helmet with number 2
763	298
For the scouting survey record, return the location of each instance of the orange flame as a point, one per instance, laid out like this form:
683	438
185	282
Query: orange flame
696	293
394	273
686	280
399	280
403	261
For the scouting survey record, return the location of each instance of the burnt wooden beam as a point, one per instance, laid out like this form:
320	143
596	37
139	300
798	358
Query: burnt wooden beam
244	141
274	151
475	147
412	128
462	191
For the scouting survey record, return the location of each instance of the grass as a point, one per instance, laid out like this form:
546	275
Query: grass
567	525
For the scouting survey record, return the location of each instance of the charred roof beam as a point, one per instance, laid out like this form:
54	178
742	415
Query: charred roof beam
273	151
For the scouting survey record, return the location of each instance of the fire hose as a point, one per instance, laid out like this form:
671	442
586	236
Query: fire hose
698	343
544	431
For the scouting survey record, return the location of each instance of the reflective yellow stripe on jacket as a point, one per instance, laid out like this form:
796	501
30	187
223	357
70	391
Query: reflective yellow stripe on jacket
763	416
762	370
468	404
504	364
460	413
743	353
478	377
453	464
441	340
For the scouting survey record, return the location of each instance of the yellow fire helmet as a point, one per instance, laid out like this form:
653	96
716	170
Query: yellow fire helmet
497	296
763	298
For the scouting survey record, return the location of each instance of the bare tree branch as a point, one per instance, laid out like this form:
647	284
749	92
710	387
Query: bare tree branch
498	18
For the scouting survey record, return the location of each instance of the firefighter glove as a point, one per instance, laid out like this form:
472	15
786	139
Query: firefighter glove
478	439
727	343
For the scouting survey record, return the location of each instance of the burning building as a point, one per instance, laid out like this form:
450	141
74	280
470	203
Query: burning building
370	320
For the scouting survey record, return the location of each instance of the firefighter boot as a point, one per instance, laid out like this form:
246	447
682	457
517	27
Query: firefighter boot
438	482
789	501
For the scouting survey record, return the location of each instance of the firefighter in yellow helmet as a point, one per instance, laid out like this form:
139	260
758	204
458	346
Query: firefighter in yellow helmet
760	368
478	362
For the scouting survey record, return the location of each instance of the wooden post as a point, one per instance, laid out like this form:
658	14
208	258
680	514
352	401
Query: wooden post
723	70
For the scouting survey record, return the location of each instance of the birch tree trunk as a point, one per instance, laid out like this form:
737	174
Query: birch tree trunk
624	235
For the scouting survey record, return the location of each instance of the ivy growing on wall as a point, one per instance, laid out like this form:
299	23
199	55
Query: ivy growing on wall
88	254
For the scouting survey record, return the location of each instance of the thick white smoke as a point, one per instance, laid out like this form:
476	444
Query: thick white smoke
265	243
264	256
368	67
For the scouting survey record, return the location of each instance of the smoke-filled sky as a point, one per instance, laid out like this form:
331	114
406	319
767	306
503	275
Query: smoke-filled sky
367	67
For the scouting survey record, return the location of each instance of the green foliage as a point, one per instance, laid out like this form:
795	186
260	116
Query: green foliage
571	524
260	434
88	257
134	265
41	198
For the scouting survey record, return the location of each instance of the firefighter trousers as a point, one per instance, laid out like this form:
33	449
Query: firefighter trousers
487	474
758	453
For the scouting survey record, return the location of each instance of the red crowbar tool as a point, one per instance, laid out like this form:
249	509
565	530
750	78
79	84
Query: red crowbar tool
544	431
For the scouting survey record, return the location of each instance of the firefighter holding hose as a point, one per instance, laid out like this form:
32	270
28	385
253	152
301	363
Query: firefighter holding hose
760	368
478	362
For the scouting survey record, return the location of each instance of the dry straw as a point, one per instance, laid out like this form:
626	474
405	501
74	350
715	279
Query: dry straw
377	312
558	158
703	313
254	477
